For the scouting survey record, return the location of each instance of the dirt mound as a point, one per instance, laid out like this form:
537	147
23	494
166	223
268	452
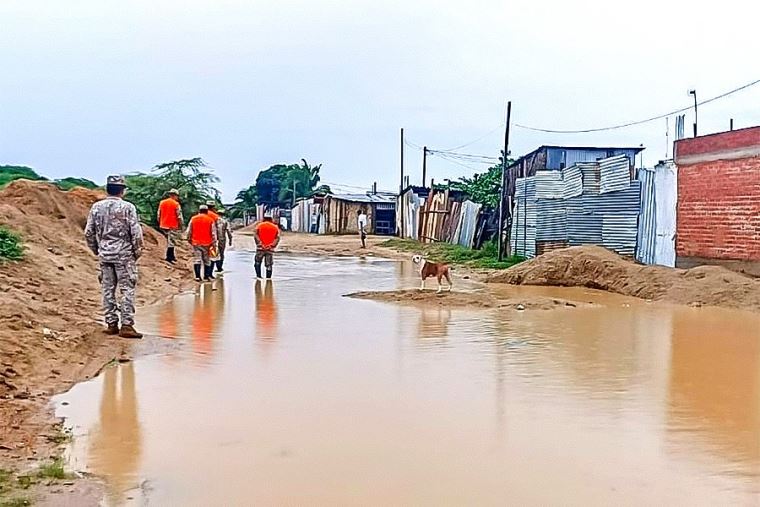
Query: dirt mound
50	302
471	300
598	268
415	296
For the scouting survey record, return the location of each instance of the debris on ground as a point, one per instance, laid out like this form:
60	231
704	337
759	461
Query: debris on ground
598	268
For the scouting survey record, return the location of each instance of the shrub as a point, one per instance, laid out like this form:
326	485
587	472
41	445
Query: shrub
11	247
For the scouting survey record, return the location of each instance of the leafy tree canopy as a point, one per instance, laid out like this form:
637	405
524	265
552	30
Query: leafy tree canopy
189	176
483	188
10	173
276	185
69	183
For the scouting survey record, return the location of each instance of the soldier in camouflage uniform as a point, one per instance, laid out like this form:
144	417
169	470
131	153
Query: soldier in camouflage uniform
224	238
114	234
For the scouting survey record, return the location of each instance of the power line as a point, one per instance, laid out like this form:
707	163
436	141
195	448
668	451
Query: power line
499	127
639	122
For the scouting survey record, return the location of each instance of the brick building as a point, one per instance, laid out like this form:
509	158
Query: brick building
718	217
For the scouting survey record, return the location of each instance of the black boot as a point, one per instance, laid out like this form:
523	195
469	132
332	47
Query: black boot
197	269
208	272
219	266
269	273
170	255
257	267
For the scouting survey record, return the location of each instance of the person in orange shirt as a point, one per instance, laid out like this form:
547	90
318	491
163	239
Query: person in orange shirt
201	233
171	222
267	236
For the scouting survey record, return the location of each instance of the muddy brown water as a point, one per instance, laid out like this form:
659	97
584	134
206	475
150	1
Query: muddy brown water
289	394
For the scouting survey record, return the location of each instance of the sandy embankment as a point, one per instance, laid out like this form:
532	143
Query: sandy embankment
597	268
50	312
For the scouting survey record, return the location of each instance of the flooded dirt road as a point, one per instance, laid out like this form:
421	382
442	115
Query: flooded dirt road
290	394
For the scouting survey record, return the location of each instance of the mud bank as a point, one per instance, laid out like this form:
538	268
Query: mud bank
598	268
471	300
50	312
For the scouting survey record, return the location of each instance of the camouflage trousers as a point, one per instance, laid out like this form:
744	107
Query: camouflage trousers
173	236
201	255
122	276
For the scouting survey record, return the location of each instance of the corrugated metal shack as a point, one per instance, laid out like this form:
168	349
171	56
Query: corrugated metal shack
340	213
557	158
440	216
306	216
552	210
657	222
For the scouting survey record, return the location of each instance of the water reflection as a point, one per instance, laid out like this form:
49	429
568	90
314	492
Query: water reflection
715	386
167	320
208	308
434	324
116	442
266	315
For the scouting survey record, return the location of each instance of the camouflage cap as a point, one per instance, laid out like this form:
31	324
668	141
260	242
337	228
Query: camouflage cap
116	179
211	204
203	207
173	191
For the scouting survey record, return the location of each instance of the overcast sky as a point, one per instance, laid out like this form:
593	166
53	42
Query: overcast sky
91	87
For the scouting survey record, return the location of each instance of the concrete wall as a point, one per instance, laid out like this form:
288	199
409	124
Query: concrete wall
719	198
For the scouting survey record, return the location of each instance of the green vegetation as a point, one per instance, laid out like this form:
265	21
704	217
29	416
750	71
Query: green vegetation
277	184
483	188
53	470
11	248
69	183
486	257
16	502
189	177
6	477
10	173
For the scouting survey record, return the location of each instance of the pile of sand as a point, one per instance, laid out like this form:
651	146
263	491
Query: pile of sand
470	300
50	302
598	268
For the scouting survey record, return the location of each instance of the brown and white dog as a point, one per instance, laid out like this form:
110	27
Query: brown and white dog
428	269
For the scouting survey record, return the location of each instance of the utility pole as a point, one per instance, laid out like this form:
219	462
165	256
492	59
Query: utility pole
294	194
500	239
424	165
694	92
732	124
401	188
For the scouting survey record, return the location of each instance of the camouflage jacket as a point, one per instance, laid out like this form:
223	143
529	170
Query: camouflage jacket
223	231
113	231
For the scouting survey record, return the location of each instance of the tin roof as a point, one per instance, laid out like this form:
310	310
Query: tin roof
366	198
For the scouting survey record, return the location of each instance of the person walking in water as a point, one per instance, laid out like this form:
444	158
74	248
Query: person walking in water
224	232
214	250
267	236
362	223
201	234
171	222
113	233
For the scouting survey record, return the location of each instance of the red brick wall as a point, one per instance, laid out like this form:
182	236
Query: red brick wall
718	142
719	208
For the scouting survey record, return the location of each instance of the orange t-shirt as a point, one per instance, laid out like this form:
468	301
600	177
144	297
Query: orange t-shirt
213	215
168	211
267	232
201	226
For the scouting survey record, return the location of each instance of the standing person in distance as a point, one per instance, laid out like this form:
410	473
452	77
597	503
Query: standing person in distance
267	236
201	234
225	238
171	222
113	233
362	222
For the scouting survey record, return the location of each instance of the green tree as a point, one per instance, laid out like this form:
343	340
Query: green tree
10	173
483	188
189	176
69	183
275	185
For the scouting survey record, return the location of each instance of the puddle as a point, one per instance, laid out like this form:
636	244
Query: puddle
288	393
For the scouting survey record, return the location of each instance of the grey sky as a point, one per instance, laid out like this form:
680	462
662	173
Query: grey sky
90	87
